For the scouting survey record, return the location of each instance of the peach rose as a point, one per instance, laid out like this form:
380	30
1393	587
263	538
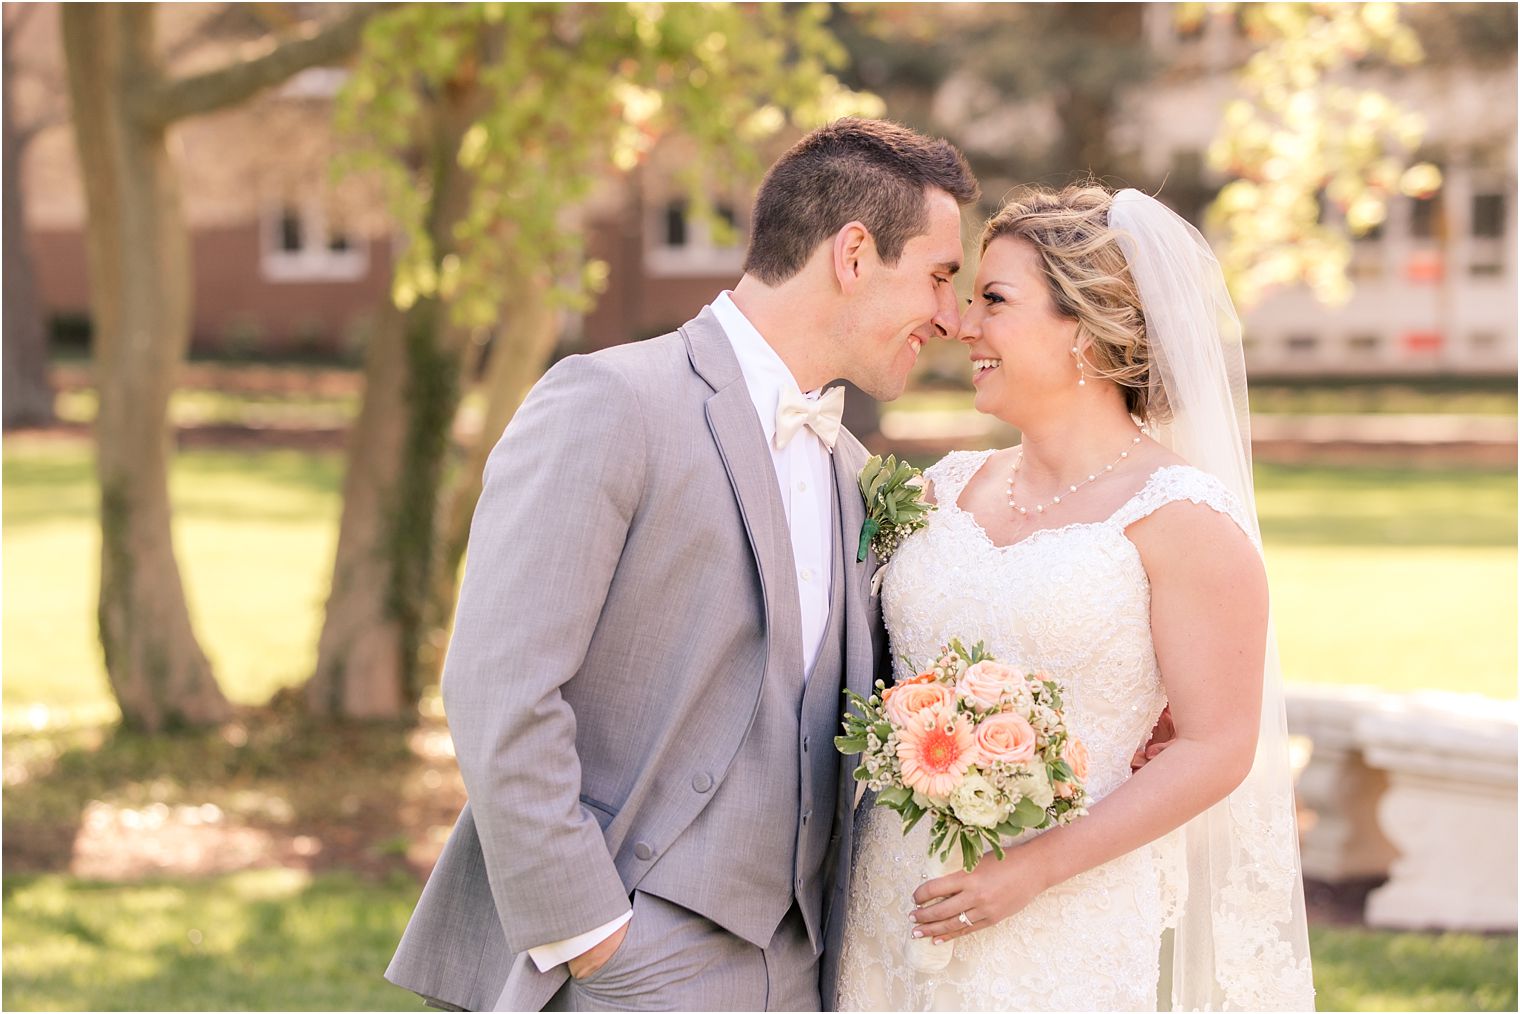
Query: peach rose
1074	753
906	700
987	681
1006	737
923	677
936	751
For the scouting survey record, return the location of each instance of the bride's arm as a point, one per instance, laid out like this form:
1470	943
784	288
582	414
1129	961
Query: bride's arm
1209	624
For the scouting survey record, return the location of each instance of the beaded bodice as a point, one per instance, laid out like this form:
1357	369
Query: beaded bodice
1071	603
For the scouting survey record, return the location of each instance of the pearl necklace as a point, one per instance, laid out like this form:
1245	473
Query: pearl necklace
1040	508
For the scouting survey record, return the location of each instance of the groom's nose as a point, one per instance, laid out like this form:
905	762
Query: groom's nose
947	319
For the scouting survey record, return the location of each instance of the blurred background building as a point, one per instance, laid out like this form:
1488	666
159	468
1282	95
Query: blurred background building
286	266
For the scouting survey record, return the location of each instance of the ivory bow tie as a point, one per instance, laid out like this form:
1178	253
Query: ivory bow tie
822	416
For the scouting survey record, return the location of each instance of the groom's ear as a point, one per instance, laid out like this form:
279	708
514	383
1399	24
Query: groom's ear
853	249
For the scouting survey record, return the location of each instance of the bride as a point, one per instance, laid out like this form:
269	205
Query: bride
1125	563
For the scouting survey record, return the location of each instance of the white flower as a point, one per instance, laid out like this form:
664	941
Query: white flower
1031	782
975	802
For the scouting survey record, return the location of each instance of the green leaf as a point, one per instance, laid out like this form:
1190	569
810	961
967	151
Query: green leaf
849	744
911	819
894	797
1028	813
970	854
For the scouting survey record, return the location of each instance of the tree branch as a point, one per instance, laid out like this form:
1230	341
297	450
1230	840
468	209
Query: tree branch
168	100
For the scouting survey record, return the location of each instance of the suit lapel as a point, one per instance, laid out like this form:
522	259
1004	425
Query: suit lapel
859	659
741	444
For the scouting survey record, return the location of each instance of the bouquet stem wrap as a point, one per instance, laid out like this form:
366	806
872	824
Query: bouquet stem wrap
924	955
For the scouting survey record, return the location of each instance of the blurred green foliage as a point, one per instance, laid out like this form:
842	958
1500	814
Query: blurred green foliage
557	96
1309	130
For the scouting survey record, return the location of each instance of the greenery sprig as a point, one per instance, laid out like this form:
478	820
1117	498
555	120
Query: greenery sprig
895	507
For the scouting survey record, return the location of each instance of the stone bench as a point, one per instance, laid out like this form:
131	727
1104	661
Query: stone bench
1418	787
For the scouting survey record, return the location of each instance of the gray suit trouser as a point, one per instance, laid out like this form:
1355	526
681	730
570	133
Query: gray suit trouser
674	959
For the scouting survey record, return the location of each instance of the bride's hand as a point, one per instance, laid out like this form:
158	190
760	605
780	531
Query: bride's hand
996	889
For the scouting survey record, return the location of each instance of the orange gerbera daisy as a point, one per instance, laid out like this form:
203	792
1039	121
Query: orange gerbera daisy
936	750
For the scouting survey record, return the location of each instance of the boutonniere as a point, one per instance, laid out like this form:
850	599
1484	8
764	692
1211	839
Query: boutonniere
895	507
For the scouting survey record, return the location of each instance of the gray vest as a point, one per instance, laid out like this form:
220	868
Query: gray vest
772	815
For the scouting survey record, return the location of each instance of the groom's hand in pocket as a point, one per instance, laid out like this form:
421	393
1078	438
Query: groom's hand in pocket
591	961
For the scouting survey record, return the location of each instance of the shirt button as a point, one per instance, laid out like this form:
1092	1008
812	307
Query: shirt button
807	575
802	487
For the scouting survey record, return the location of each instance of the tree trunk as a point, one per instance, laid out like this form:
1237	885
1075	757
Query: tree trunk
28	395
359	671
367	656
517	359
140	301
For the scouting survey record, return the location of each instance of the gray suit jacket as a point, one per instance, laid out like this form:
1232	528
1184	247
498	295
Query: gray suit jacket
622	601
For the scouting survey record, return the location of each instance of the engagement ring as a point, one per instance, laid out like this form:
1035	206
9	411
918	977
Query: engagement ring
962	917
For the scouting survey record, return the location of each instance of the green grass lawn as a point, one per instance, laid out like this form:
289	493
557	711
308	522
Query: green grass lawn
1487	397
1358	969
255	535
283	940
1402	580
260	940
1397	579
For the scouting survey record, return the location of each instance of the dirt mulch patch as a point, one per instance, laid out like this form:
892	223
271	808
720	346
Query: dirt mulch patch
267	790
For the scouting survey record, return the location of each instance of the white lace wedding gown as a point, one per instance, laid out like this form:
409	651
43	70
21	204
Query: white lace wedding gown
1071	603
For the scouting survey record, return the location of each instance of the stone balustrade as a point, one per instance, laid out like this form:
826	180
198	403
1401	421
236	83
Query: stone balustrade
1418	787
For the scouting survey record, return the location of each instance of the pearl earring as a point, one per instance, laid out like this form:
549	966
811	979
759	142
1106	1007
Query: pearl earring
1081	369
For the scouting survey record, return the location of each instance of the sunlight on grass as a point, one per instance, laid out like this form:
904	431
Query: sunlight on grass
1402	580
278	940
1368	970
254	534
259	940
1408	620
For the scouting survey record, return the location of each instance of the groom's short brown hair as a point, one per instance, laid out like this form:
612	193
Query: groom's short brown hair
871	171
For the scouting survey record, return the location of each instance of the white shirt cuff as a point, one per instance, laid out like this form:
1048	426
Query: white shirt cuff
546	956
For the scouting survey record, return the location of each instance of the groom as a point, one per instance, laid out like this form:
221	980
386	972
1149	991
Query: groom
661	607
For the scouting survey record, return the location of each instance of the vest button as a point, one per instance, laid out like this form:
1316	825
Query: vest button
701	781
643	851
805	817
804	744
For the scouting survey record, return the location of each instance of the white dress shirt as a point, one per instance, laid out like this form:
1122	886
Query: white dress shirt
804	476
804	473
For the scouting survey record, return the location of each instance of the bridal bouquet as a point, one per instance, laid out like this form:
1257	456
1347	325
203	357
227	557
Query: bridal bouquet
979	747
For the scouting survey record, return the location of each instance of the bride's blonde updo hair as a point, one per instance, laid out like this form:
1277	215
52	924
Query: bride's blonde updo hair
1089	281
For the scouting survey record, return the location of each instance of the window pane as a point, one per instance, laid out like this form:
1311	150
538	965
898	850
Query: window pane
1302	344
1425	218
290	231
729	237
675	223
1488	216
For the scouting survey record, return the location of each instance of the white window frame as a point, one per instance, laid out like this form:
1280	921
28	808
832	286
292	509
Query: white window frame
700	257
314	262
